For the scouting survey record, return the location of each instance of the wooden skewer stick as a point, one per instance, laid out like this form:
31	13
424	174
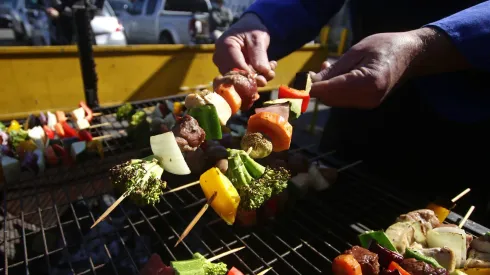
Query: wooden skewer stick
99	125
182	187
460	195
265	271
224	254
101	137
196	218
109	210
461	224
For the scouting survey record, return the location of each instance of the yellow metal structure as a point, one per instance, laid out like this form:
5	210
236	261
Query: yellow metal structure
49	78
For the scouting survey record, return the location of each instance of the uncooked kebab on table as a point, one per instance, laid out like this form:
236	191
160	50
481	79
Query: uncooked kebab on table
47	140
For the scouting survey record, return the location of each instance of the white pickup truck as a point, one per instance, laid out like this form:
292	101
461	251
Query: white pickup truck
166	21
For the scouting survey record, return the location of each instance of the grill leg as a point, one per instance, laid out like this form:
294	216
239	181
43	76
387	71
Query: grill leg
87	63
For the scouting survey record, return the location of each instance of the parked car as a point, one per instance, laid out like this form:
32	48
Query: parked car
107	28
20	15
167	21
119	6
5	13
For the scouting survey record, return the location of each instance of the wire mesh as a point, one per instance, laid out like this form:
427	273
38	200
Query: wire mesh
47	227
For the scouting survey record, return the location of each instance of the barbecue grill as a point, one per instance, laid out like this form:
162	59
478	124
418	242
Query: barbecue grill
46	219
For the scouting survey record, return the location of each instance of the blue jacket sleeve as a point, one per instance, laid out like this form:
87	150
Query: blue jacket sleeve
469	30
292	23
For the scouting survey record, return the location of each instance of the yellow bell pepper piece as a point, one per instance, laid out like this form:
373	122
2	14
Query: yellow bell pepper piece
14	126
475	271
96	146
27	145
227	199
441	212
178	108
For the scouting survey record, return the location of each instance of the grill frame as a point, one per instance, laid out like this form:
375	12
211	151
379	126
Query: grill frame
302	241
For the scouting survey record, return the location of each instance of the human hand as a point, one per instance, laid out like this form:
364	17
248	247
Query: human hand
53	13
244	46
367	72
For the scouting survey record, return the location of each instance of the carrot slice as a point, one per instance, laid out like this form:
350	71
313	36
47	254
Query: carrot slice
228	92
60	116
346	264
275	127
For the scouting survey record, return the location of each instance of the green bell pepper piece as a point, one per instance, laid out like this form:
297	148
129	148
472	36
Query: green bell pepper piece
409	253
188	267
208	119
379	236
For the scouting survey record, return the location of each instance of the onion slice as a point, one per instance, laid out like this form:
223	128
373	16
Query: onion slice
451	237
166	149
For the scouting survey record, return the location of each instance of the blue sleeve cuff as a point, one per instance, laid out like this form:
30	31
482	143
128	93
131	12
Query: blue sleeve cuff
292	23
469	30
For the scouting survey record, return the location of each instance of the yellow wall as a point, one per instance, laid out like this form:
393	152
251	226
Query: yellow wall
48	78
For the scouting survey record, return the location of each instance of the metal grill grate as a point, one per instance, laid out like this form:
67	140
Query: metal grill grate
48	233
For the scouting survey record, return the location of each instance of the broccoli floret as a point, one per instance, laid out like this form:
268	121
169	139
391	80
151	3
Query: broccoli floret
211	268
17	136
252	196
124	112
255	183
276	179
261	147
141	178
2	127
139	130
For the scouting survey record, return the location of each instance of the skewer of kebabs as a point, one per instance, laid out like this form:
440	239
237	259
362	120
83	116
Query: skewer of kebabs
207	112
417	244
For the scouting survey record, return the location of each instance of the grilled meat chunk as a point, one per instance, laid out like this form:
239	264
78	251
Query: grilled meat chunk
244	84
478	259
481	244
426	217
188	134
367	259
390	272
415	267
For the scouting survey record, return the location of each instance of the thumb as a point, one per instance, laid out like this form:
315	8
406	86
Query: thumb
257	55
343	65
351	90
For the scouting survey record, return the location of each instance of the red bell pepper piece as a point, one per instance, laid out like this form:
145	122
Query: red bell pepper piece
287	92
49	133
246	218
394	266
62	154
271	207
51	157
234	271
69	131
88	112
59	130
85	135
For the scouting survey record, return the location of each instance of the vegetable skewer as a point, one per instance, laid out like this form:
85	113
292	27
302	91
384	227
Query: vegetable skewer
196	219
